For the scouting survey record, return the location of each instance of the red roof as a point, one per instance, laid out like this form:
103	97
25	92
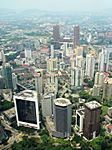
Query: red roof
44	50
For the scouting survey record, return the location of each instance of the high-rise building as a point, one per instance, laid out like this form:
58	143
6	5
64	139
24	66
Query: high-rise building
52	51
39	81
99	78
47	104
77	76
80	61
90	66
107	89
62	117
14	81
73	62
76	36
80	113
27	109
56	33
92	120
103	61
28	54
7	74
51	64
56	36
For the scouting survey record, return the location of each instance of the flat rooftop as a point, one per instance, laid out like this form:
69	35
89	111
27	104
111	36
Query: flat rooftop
62	102
10	112
93	105
26	94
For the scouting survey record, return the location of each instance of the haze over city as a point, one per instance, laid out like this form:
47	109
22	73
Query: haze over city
57	5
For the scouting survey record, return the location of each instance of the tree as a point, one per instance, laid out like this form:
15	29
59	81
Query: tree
84	95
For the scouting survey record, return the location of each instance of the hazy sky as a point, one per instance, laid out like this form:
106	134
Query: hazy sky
57	5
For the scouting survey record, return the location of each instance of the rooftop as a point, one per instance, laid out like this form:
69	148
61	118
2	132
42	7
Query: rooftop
10	112
62	102
93	105
27	94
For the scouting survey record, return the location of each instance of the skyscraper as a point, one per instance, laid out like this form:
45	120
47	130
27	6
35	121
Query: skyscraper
92	120
27	109
62	117
51	64
76	36
90	66
39	83
14	81
56	36
7	74
56	33
47	104
77	76
103	61
80	61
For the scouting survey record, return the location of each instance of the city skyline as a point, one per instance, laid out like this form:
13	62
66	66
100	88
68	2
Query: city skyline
59	5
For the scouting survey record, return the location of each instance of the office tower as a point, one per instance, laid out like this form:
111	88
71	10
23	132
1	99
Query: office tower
14	81
52	51
103	61
90	66
7	74
47	104
77	76
56	36
39	80
76	36
80	61
92	120
56	33
51	64
2	83
62	117
80	113
27	110
107	89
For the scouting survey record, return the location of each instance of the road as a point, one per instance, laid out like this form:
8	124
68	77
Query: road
16	136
